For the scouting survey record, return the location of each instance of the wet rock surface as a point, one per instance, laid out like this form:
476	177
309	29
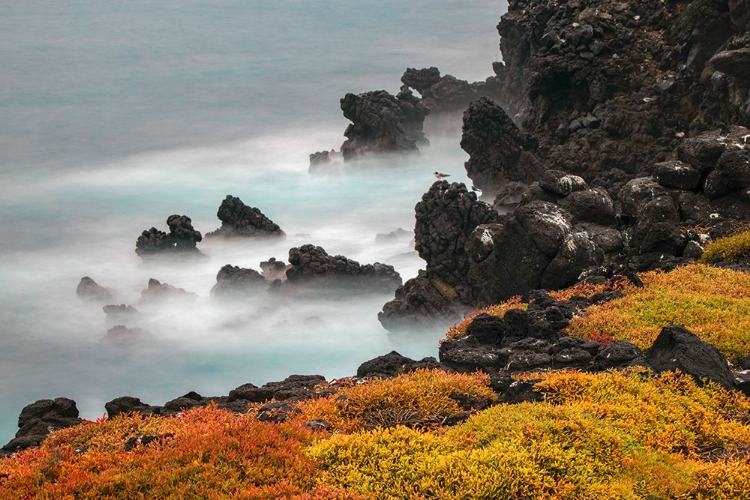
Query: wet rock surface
240	220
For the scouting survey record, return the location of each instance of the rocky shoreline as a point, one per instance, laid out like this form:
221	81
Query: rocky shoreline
611	141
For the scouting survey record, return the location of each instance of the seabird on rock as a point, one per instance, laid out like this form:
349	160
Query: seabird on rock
439	175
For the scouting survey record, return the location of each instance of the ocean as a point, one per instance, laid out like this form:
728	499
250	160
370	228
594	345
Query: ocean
116	115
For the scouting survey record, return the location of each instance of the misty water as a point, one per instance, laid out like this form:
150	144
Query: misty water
117	115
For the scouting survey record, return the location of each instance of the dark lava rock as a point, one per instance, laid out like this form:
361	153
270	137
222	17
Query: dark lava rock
293	387
128	404
240	220
89	289
732	173
392	364
637	193
498	156
157	291
590	205
616	354
312	268
679	349
421	79
446	216
381	123
677	174
233	281
40	418
182	239
561	183
658	228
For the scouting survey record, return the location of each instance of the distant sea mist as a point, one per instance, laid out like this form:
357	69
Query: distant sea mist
116	115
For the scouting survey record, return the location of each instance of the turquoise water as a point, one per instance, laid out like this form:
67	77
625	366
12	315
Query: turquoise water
116	116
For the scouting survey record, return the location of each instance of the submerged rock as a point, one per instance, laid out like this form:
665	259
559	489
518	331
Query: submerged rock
234	281
240	220
157	291
90	289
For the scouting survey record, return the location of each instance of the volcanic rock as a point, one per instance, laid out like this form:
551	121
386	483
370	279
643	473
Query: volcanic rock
240	220
234	281
182	239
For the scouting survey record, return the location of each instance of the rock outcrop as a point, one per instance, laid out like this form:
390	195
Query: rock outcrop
40	418
157	291
181	239
240	220
312	269
382	123
446	217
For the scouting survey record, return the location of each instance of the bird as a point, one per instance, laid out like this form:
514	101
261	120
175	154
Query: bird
439	175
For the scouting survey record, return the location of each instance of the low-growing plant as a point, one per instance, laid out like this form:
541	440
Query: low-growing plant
733	248
711	302
426	393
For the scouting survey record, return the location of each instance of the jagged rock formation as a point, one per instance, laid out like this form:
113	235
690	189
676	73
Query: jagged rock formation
448	94
91	290
240	220
234	281
182	239
312	269
381	123
607	86
446	217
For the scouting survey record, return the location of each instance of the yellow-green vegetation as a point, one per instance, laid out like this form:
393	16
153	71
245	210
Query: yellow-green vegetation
404	399
711	302
731	249
498	310
614	435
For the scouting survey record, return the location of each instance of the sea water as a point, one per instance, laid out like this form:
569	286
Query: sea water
119	114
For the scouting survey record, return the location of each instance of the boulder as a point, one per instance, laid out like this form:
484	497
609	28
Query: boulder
676	174
240	220
676	348
658	228
590	205
40	418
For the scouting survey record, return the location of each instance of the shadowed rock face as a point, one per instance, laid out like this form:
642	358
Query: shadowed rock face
240	220
91	290
181	239
499	162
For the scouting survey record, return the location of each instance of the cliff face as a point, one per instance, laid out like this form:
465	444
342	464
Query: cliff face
605	85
